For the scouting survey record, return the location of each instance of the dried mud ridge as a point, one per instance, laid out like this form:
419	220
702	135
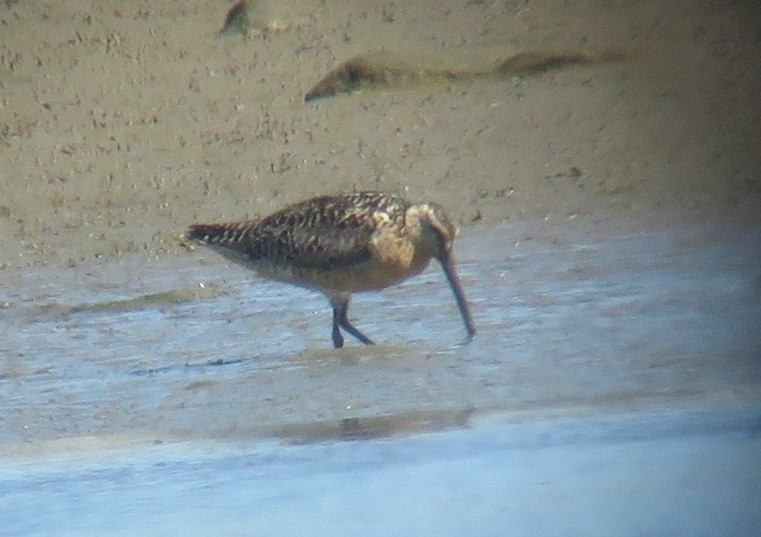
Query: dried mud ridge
244	16
384	70
381	69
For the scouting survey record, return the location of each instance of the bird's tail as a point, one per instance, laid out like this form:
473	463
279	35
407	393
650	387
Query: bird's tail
232	235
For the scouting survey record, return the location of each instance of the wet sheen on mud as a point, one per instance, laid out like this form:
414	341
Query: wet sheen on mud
618	340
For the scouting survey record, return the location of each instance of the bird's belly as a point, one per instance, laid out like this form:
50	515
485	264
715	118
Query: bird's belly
368	276
393	259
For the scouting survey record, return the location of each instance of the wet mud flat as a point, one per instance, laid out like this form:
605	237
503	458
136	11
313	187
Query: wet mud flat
613	387
669	472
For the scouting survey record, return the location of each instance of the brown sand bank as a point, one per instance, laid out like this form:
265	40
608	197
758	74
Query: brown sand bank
121	122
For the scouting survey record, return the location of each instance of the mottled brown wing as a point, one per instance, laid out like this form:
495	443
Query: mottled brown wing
325	232
322	233
316	246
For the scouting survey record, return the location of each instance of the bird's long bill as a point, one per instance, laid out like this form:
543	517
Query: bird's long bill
447	263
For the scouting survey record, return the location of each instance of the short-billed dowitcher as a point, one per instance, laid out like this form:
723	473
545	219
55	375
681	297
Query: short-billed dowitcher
339	245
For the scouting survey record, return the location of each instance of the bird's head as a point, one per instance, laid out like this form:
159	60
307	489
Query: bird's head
432	228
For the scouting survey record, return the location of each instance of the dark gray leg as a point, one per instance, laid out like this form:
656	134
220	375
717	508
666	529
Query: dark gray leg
340	320
338	339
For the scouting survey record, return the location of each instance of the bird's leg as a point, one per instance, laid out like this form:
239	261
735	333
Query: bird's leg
338	339
340	305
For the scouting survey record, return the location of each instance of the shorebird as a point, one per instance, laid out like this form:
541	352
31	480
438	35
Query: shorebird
339	245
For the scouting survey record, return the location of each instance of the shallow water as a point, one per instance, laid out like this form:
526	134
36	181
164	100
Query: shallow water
611	370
